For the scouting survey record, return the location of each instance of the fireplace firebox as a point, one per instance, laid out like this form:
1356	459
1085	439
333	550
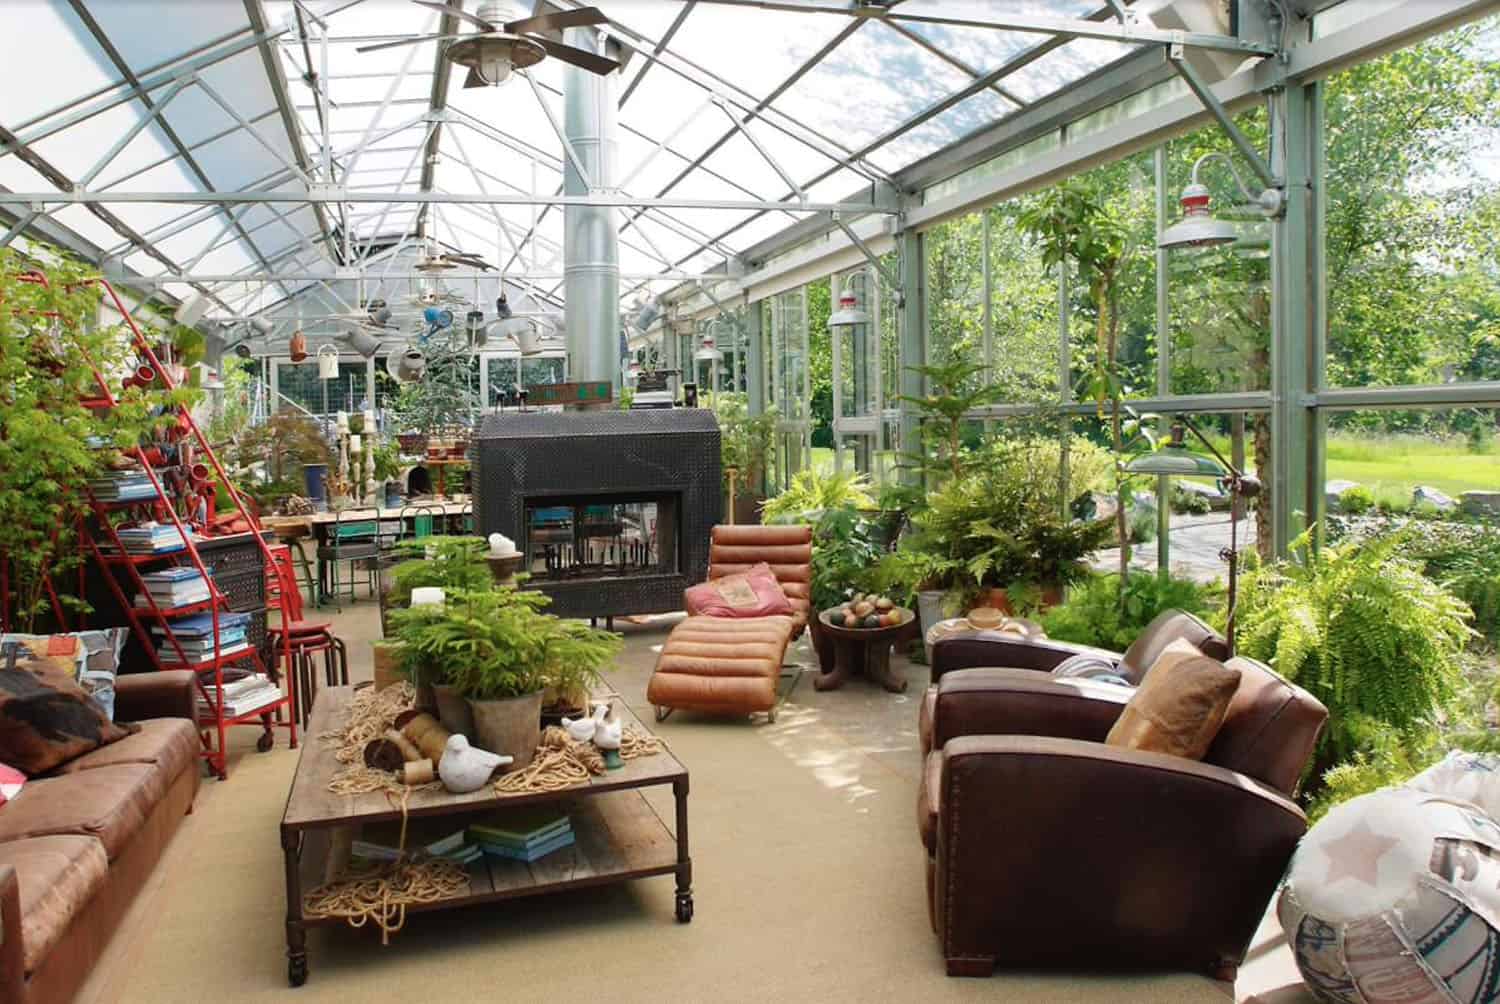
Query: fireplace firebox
612	509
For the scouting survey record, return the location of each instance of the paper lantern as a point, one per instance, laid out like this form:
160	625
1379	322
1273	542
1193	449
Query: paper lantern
1394	898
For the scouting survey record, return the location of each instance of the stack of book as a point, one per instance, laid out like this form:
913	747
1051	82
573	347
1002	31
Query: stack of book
380	842
525	834
129	485
241	697
179	586
151	538
195	635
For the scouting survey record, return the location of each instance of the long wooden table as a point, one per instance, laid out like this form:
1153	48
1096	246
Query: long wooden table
619	837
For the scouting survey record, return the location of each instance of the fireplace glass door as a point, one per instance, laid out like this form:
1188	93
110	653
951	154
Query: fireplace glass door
600	537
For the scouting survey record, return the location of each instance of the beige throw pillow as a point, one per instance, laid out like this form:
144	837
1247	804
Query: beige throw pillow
1179	706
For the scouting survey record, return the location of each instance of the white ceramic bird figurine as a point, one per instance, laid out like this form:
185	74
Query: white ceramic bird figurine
607	734
582	729
466	768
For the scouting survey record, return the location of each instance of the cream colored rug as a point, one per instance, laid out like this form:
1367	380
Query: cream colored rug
807	879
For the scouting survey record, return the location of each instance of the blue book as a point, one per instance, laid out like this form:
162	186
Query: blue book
530	854
202	625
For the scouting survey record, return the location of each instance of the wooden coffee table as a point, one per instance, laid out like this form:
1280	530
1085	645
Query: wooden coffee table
618	835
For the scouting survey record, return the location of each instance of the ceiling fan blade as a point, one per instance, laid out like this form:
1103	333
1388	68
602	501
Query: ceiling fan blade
578	57
474	260
405	41
465	15
473	79
563	19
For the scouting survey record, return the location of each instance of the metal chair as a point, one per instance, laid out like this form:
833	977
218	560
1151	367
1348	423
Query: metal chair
354	541
304	638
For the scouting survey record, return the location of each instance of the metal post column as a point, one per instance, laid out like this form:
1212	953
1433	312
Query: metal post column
591	253
1163	362
755	359
1296	294
912	338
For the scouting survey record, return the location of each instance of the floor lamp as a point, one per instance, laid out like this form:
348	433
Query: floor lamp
1174	459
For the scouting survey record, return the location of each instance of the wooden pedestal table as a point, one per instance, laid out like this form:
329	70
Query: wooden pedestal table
864	650
618	835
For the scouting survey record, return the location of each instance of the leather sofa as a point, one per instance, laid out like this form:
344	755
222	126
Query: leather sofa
77	846
1046	847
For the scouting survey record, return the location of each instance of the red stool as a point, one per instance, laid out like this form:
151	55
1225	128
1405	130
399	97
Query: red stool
305	638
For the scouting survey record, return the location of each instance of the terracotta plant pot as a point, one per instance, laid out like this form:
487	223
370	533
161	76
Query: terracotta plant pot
510	727
454	712
1051	596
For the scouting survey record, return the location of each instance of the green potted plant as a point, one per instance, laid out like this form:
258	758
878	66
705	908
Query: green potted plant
844	555
811	494
51	443
498	651
450	563
746	444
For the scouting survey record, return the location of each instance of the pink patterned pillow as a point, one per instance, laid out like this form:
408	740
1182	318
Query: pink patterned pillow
11	781
753	593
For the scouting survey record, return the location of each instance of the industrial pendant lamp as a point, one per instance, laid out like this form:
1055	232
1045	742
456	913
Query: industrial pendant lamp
1175	459
848	314
1198	228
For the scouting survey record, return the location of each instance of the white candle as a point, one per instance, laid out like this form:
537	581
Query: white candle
342	420
355	443
369	423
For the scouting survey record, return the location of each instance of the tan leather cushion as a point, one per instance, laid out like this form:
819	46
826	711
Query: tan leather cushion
1178	707
928	793
787	549
170	743
58	875
110	803
721	665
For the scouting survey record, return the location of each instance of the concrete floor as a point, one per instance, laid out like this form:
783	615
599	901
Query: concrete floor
808	879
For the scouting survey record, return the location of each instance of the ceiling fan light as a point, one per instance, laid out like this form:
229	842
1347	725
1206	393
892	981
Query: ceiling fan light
495	71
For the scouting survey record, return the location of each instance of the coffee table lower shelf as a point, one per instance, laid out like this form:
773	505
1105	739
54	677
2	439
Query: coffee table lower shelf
618	837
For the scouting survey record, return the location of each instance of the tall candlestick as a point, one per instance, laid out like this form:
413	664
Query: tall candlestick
341	419
369	422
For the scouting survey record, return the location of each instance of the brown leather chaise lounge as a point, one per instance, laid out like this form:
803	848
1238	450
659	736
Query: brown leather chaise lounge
1045	847
76	847
727	665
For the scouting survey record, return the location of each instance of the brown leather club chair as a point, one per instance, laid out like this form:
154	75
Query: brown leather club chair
996	649
730	665
1047	848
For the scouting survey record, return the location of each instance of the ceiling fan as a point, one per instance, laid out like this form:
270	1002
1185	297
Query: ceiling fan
499	47
445	261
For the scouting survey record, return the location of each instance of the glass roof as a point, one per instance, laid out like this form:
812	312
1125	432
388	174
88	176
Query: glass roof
717	102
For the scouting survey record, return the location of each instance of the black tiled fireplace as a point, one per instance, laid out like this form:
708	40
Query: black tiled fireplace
612	509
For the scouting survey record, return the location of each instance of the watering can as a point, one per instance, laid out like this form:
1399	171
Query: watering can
410	366
328	363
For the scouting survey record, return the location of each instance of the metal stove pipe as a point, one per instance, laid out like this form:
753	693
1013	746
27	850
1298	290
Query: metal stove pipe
591	254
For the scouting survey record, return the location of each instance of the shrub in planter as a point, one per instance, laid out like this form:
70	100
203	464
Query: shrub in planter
810	494
1096	613
1362	629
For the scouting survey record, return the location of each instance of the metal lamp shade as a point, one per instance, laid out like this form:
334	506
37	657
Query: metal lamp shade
1176	460
1197	228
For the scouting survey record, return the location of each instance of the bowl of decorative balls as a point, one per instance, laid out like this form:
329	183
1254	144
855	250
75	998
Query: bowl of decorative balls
866	612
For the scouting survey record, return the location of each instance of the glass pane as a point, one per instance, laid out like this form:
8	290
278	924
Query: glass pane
1023	312
1219	298
1412	143
1418	462
955	291
300	387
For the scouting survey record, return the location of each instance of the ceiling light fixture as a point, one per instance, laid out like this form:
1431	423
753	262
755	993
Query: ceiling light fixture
1198	228
849	313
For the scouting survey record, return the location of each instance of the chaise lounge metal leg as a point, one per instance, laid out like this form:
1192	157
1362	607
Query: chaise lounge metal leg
662	713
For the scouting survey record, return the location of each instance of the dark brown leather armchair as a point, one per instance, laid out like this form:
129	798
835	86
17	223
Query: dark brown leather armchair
1046	847
995	649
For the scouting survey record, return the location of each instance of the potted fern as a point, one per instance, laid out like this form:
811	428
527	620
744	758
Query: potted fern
499	652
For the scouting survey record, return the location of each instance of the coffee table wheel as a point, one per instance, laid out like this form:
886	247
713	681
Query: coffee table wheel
296	970
264	742
684	908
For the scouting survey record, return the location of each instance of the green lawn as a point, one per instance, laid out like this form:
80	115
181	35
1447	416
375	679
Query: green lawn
1390	466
